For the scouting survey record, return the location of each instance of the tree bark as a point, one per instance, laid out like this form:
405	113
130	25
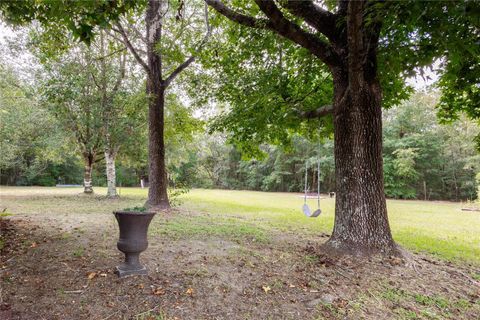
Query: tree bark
361	221
87	175
110	156
157	191
157	176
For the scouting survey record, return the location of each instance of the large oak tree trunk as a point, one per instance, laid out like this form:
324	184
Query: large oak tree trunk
361	222
349	48
87	175
111	174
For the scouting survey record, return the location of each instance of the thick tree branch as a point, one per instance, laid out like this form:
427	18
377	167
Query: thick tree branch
239	18
355	45
317	113
130	47
281	25
322	20
178	70
294	32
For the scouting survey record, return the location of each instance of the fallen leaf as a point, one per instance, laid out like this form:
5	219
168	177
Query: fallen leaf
291	286
266	289
141	286
91	275
189	291
103	274
158	291
110	304
34	245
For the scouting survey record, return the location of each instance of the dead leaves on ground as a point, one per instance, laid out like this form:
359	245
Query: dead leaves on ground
158	291
92	275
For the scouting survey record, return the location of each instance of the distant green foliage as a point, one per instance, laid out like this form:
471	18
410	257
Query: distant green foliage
419	153
34	148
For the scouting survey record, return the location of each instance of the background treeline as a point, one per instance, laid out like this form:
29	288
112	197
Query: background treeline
422	159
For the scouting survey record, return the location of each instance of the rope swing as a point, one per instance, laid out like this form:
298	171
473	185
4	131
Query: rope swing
306	208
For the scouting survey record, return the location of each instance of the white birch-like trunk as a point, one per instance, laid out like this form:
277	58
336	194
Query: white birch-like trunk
87	178
111	174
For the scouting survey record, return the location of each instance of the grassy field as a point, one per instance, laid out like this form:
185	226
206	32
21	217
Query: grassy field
439	228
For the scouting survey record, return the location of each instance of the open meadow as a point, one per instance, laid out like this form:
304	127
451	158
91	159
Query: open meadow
230	254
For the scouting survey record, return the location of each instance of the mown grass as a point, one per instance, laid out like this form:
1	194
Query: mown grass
202	226
439	228
425	306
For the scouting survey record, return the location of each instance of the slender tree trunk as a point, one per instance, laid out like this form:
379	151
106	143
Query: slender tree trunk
110	156
361	222
87	175
157	176
157	192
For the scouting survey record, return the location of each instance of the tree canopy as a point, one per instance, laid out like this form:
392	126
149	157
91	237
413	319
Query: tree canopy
286	86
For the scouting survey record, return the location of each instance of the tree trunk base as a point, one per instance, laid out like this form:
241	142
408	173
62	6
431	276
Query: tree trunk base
336	248
113	196
157	207
88	191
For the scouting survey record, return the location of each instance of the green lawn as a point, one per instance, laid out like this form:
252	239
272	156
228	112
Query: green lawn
440	228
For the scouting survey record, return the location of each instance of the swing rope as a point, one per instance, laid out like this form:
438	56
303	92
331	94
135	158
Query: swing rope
318	184
306	208
306	172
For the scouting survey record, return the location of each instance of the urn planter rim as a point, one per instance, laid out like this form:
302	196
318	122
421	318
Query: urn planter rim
135	213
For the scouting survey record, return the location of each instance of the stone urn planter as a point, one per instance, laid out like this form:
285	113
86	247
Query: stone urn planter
133	240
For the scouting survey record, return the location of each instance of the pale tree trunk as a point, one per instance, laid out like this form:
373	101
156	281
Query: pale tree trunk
110	156
87	175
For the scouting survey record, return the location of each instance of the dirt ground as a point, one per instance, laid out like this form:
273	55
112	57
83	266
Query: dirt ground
60	266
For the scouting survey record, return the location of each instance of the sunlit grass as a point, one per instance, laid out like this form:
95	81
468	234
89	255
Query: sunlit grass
439	228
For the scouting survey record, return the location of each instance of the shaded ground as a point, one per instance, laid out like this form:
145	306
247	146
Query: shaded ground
59	252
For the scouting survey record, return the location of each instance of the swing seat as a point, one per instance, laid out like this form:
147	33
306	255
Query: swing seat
308	213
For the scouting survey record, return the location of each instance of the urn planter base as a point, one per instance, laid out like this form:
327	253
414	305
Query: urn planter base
133	240
124	270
